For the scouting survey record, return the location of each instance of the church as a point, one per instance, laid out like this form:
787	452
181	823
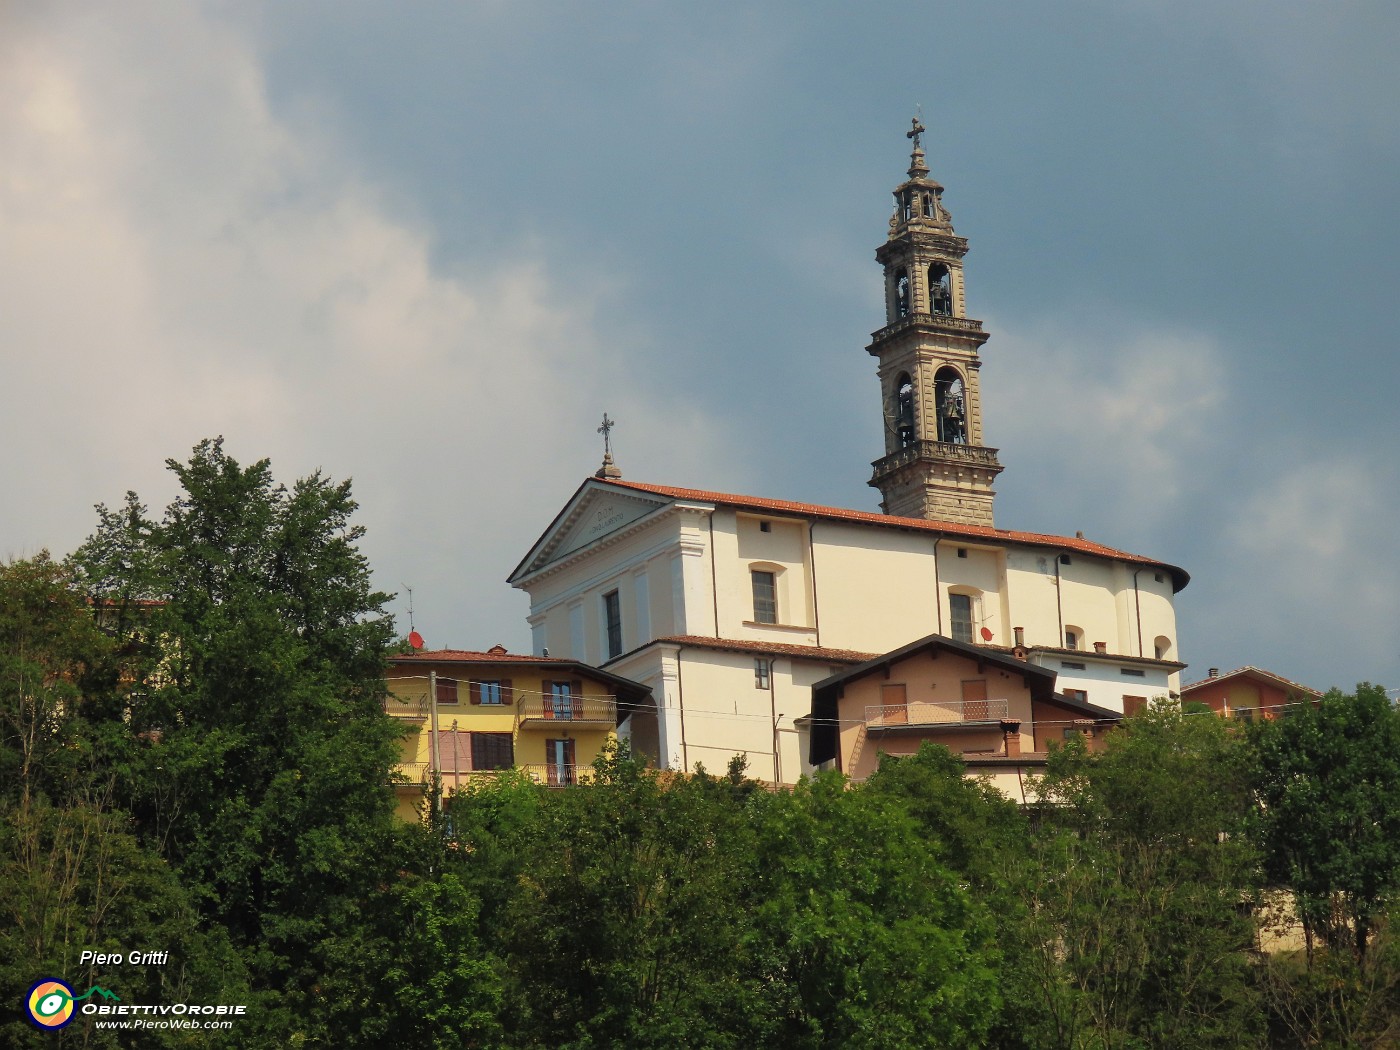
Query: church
731	608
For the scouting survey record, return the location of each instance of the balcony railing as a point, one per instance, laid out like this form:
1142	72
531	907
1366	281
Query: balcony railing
411	773
933	713
406	706
976	455
552	775
578	710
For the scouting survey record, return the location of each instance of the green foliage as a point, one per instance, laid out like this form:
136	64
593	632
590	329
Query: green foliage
1328	820
1143	886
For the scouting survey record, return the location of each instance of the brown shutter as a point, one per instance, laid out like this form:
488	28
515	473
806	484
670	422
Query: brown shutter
506	696
476	691
576	688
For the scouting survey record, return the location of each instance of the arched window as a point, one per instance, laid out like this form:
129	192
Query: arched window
904	410
1074	638
940	290
901	294
950	406
1162	646
928	206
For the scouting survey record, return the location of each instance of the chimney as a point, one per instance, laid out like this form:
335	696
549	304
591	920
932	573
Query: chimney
1214	672
1100	647
1011	737
1020	633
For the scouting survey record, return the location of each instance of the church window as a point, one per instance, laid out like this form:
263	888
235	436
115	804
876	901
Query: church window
904	411
962	552
950	406
1162	647
761	671
612	616
1073	636
928	206
765	526
1065	559
940	290
901	294
960	617
907	202
765	596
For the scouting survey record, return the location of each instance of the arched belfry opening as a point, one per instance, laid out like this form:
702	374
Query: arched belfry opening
950	406
940	290
902	296
904	410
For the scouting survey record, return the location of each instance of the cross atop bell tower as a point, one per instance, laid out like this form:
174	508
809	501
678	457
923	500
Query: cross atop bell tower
935	465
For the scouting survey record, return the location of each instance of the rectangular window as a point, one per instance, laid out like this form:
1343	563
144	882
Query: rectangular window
1070	733
447	690
760	672
1071	665
1133	704
1077	694
765	597
493	692
492	751
612	616
960	617
1133	672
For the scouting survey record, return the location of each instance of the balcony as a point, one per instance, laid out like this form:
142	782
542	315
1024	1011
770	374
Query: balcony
576	710
924	713
410	773
406	707
558	776
972	455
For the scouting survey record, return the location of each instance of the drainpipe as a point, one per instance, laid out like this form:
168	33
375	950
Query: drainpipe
937	587
434	754
1059	602
816	605
1137	607
680	703
714	584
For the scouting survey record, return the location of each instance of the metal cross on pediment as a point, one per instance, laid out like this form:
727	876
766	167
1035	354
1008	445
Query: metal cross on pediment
916	128
606	431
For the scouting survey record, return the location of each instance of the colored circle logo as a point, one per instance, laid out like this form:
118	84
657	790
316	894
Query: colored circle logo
50	1003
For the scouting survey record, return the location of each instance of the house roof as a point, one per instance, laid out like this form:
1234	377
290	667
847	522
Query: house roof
826	694
1180	577
1256	673
624	688
745	645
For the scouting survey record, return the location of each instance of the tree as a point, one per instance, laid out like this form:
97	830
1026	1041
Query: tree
1144	882
1327	781
259	689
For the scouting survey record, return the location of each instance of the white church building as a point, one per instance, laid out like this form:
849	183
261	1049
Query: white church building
731	607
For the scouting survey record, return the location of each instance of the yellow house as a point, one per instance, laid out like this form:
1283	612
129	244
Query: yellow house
469	714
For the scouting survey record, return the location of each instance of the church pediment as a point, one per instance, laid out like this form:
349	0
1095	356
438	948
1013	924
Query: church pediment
595	512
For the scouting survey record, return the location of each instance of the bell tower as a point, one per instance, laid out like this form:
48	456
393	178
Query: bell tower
935	465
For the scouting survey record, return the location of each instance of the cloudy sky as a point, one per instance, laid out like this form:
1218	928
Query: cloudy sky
427	245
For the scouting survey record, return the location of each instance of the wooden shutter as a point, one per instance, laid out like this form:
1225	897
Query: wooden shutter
895	702
974	694
475	691
507	697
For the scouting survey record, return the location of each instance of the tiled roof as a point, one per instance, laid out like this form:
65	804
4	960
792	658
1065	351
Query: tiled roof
469	656
973	532
738	645
1256	672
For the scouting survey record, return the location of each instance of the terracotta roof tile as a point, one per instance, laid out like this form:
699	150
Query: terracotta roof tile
1257	672
469	656
812	510
744	645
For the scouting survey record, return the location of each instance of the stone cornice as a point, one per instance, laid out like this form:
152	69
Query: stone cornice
928	325
611	539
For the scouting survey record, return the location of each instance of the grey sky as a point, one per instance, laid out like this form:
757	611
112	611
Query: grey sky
426	245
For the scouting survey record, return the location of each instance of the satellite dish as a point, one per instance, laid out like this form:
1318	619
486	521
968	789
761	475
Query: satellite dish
986	634
415	639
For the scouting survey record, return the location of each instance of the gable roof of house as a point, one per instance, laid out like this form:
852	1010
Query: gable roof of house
826	694
818	653
625	689
1256	673
533	559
